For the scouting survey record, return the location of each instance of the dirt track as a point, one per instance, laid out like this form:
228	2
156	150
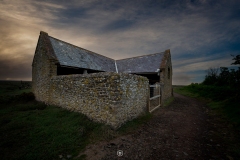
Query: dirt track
180	131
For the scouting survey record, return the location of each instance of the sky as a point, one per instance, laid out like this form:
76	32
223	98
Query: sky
199	33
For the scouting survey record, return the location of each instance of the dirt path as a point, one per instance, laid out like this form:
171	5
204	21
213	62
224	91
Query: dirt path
180	131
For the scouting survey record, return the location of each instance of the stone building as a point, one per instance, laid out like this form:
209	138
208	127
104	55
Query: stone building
106	90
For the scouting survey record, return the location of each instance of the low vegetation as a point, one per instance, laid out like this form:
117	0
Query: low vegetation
168	101
222	99
223	107
221	93
33	130
221	90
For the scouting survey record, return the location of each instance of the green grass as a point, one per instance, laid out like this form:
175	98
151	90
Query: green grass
215	93
37	131
221	99
134	124
14	87
168	101
32	130
224	102
184	91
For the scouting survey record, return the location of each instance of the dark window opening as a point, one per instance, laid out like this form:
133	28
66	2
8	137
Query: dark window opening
93	71
68	71
168	72
153	78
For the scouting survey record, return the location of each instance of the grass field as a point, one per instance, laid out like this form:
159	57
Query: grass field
224	100
14	87
32	130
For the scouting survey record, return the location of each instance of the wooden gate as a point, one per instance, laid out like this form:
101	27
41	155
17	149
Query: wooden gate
154	97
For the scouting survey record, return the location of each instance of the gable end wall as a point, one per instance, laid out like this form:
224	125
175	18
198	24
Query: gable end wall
166	84
43	68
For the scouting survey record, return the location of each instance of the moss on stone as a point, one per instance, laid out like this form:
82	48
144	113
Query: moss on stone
92	95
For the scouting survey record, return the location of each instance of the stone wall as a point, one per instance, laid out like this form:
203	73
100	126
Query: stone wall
43	68
110	98
168	81
165	81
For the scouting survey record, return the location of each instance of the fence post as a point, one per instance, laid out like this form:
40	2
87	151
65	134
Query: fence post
149	90
160	95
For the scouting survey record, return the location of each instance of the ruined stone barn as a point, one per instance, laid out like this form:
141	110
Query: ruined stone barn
106	90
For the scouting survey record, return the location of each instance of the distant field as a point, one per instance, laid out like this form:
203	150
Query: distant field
179	85
14	87
32	130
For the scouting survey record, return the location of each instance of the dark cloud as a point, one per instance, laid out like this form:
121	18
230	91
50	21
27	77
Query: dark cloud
121	24
12	69
200	33
182	79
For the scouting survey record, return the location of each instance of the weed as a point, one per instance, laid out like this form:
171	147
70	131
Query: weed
132	125
168	101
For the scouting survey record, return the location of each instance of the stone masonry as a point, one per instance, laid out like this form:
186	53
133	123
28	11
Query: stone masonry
107	97
110	98
166	78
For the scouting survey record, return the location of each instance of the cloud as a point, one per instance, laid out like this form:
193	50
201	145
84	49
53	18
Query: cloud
181	33
186	78
31	11
21	22
204	65
182	79
197	32
12	68
187	70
